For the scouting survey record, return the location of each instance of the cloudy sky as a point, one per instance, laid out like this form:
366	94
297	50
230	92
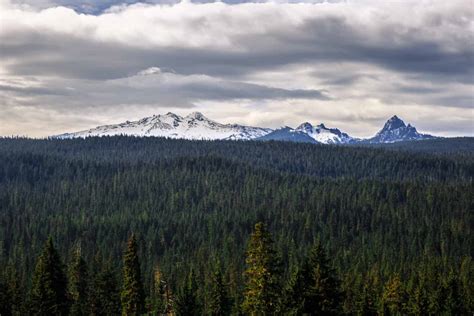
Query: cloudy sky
68	65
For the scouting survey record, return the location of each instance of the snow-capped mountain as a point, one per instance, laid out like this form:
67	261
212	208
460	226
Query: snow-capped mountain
288	134
197	126
395	130
308	133
192	126
325	135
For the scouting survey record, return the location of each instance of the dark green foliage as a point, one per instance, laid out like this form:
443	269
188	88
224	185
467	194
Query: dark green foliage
393	297
161	300
379	213
316	289
78	285
132	296
49	288
12	292
104	295
263	276
366	301
187	303
5	299
219	302
439	146
452	302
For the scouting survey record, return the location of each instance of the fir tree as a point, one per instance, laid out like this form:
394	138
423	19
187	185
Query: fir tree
133	297
393	297
49	287
316	288
186	302
161	301
367	298
78	285
219	301
14	291
452	298
262	289
104	297
5	300
418	302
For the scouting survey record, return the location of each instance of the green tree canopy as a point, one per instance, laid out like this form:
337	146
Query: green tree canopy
263	276
133	297
49	288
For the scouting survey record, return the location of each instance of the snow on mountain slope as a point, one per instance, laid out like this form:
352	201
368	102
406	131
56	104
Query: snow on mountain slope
192	126
197	126
325	135
288	134
395	130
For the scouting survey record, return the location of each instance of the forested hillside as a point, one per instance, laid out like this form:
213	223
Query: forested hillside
396	226
439	146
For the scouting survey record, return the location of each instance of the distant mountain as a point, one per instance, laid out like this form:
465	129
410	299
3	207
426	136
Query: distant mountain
197	126
192	126
324	135
288	134
395	130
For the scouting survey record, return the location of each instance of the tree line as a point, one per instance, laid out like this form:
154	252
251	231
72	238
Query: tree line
314	287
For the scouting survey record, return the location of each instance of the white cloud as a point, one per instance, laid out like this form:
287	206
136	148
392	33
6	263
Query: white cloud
255	63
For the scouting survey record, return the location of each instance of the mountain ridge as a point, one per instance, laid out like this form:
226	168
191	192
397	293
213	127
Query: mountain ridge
196	126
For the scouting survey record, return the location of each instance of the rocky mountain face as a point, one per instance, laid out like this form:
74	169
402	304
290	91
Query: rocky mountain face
197	126
395	130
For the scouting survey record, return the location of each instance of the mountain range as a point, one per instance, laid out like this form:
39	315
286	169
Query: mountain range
197	126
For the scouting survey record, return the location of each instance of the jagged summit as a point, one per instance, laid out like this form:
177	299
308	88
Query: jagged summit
197	126
288	134
306	132
393	123
396	130
322	134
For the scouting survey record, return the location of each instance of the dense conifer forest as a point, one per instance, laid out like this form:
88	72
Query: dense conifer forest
123	225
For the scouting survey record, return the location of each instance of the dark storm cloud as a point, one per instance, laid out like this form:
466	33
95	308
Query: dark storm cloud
348	53
319	40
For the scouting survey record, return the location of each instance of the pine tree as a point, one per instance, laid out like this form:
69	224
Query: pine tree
418	301
5	300
12	292
393	297
186	302
49	288
78	285
262	289
104	297
219	301
316	288
366	302
161	300
133	297
452	298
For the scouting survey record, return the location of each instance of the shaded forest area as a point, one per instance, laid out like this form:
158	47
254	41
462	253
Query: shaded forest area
394	226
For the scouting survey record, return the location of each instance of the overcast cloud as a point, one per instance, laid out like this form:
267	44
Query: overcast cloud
67	65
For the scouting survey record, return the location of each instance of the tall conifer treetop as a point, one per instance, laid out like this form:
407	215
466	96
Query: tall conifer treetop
133	297
49	288
263	289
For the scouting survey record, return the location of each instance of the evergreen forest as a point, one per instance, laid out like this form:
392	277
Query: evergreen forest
151	226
